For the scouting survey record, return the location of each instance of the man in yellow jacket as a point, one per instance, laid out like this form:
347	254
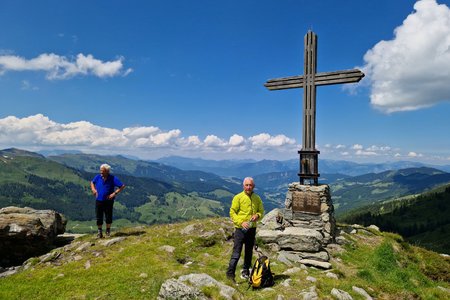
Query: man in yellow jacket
246	209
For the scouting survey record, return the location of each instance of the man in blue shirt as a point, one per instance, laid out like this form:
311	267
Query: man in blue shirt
103	187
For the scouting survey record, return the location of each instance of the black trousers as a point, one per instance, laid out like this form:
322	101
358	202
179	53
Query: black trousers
242	238
104	207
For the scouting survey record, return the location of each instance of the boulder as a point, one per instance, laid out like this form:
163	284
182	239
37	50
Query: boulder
293	238
26	232
190	287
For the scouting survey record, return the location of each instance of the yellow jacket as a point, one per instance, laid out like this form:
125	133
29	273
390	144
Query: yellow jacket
243	207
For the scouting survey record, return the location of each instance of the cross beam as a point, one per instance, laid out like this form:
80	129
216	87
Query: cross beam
326	78
308	154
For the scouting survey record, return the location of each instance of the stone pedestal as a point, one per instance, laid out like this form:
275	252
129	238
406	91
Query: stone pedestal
301	231
311	207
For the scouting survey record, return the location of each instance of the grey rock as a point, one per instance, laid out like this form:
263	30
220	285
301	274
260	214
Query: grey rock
113	241
287	282
273	220
284	259
189	229
173	289
443	289
309	294
374	227
167	248
27	232
292	271
340	294
293	238
83	247
87	265
189	287
49	256
9	271
362	292
200	280
331	275
315	263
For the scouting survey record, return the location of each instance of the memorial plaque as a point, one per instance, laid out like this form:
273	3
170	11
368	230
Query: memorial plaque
306	202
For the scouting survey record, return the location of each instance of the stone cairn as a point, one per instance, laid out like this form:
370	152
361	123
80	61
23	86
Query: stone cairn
302	230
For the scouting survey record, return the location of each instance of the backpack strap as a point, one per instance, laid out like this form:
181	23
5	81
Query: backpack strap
258	251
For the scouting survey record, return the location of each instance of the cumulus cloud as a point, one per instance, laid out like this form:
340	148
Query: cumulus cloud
263	140
357	147
414	154
236	140
61	67
411	71
39	132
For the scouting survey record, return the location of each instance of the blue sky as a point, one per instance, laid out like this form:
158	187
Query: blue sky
159	78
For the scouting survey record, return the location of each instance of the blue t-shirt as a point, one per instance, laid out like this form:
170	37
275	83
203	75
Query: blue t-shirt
105	187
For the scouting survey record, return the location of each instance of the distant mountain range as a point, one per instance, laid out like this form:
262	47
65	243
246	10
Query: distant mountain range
191	180
160	192
243	168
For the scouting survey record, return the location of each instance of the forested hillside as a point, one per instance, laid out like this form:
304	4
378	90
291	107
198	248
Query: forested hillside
29	179
359	191
423	220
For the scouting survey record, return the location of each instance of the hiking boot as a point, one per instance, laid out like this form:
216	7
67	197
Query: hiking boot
108	233
245	274
99	234
231	278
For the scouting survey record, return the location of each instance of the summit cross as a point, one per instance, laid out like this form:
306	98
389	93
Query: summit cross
308	81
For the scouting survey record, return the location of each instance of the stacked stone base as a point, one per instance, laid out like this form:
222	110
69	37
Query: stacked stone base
301	237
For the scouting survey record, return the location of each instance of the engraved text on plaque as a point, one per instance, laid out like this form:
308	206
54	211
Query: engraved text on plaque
305	202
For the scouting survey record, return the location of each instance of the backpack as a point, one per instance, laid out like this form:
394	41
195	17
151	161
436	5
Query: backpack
261	275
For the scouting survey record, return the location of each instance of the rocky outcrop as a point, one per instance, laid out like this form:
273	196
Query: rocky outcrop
190	287
26	232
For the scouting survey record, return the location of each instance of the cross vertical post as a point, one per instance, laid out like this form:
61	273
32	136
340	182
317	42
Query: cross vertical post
309	156
309	167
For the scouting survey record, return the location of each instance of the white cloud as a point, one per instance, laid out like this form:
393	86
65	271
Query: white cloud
193	140
411	71
378	148
357	147
263	140
414	154
26	85
365	153
39	132
236	140
60	67
214	141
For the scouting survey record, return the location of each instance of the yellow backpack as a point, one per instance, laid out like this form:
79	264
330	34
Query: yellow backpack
261	275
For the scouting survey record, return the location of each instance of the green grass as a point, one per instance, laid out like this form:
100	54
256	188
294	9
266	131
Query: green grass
135	268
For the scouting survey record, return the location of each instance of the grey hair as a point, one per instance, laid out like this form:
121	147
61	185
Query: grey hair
248	178
106	167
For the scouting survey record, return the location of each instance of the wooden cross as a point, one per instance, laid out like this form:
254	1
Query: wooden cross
309	81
